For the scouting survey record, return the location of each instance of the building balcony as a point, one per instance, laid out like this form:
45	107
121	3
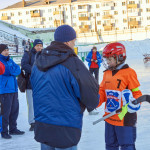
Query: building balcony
4	17
107	16
132	6
57	12
133	23
83	18
107	28
84	28
35	14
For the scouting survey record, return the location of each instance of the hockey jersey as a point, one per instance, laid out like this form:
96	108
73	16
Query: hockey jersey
110	92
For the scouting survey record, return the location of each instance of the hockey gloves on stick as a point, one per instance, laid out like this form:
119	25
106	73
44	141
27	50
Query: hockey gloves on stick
127	98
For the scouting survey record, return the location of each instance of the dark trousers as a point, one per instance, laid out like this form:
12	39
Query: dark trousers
95	71
10	111
120	137
16	48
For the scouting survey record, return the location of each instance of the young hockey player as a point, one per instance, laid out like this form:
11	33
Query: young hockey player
117	77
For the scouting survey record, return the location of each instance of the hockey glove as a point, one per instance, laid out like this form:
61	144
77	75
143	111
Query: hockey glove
127	98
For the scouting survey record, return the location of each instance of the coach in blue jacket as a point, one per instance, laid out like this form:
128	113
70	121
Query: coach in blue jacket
62	89
9	94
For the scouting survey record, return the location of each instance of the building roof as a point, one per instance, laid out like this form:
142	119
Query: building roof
43	2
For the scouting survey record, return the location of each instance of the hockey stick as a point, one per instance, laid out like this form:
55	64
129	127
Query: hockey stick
142	98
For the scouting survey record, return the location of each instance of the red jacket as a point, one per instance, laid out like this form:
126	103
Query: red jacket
2	68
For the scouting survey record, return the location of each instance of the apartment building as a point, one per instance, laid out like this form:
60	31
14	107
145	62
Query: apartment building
84	15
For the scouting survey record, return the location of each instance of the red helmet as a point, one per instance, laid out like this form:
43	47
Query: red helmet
116	50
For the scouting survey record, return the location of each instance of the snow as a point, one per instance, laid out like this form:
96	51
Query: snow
11	31
93	135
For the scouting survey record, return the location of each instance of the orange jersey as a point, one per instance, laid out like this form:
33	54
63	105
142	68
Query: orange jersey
110	92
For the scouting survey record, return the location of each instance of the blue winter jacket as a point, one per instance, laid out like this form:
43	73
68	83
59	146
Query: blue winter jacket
8	82
89	57
62	88
27	62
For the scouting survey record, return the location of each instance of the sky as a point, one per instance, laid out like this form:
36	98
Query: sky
5	3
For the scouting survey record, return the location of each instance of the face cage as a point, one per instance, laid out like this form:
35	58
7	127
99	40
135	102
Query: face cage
104	62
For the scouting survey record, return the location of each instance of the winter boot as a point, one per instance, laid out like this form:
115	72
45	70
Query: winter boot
16	132
6	136
32	127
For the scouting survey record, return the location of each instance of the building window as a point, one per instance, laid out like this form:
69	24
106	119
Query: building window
74	24
82	15
43	19
73	8
50	18
124	20
106	13
12	14
147	9
49	10
132	19
81	7
124	12
74	16
12	22
97	14
131	2
148	18
91	14
115	4
97	6
123	3
19	13
98	22
90	6
20	21
115	12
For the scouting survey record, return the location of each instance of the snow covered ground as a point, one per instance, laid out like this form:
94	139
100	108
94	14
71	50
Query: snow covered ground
93	136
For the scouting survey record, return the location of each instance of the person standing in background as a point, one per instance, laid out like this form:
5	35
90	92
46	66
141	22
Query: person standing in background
9	94
16	42
24	44
31	43
94	62
26	64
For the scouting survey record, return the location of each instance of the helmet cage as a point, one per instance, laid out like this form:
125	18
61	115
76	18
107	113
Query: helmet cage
116	50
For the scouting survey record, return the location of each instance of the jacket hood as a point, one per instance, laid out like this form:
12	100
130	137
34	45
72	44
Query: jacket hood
53	55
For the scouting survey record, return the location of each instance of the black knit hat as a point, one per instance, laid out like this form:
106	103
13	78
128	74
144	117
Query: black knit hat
3	47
